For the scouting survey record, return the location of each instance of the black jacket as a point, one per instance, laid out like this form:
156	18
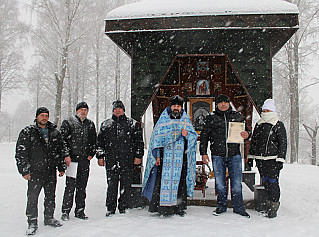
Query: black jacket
268	141
35	156
215	131
79	138
119	141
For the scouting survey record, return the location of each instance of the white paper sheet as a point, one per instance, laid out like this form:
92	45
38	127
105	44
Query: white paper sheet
234	130
72	170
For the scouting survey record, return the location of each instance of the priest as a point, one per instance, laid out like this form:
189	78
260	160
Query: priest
171	161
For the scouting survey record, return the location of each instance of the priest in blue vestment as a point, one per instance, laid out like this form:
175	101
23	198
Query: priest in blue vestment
171	161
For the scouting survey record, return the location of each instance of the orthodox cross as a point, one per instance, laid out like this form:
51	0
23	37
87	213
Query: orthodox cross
175	134
184	123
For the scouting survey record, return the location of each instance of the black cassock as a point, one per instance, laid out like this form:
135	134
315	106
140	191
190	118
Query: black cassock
181	195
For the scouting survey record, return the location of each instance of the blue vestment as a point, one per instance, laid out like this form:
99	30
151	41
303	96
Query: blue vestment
167	134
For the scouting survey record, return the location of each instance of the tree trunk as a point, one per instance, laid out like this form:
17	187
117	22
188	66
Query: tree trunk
58	101
70	105
0	87
117	74
0	96
312	132
60	81
97	100
314	151
293	65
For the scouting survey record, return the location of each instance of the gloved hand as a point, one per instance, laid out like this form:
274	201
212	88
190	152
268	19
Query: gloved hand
280	165
250	163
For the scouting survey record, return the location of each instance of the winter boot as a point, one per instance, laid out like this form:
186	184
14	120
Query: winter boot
218	211
273	208
242	213
32	229
122	211
65	217
182	213
52	222
266	209
109	213
81	215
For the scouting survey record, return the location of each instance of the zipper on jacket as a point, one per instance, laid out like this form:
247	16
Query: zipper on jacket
117	127
82	131
226	135
266	149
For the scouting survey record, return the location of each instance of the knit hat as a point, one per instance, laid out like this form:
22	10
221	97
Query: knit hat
270	105
222	98
82	105
41	110
118	104
177	100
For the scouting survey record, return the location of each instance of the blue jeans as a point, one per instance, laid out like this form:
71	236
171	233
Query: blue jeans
234	165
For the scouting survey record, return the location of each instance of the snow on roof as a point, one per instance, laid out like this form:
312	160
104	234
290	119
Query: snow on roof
173	8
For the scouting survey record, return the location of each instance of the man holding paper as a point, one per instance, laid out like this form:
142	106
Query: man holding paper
79	136
225	130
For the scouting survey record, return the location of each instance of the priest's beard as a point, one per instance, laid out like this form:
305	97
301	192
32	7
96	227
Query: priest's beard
176	113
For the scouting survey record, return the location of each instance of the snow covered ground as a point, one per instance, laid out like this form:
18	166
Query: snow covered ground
298	214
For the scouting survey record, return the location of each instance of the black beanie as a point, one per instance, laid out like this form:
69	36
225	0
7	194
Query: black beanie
41	110
222	98
118	104
177	100
82	105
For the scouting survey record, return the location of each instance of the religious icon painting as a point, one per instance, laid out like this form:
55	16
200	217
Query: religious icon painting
199	109
217	85
202	87
202	68
189	87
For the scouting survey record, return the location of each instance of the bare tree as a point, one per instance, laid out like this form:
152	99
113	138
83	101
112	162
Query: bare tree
312	132
55	37
292	62
11	55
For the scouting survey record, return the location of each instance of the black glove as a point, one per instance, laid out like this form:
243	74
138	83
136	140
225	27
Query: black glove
279	165
250	163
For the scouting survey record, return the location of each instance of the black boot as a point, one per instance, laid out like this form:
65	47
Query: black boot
109	213
32	229
242	213
65	217
181	213
52	222
218	211
81	215
273	208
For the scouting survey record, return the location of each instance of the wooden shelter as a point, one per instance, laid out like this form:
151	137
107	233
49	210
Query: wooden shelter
197	49
167	45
